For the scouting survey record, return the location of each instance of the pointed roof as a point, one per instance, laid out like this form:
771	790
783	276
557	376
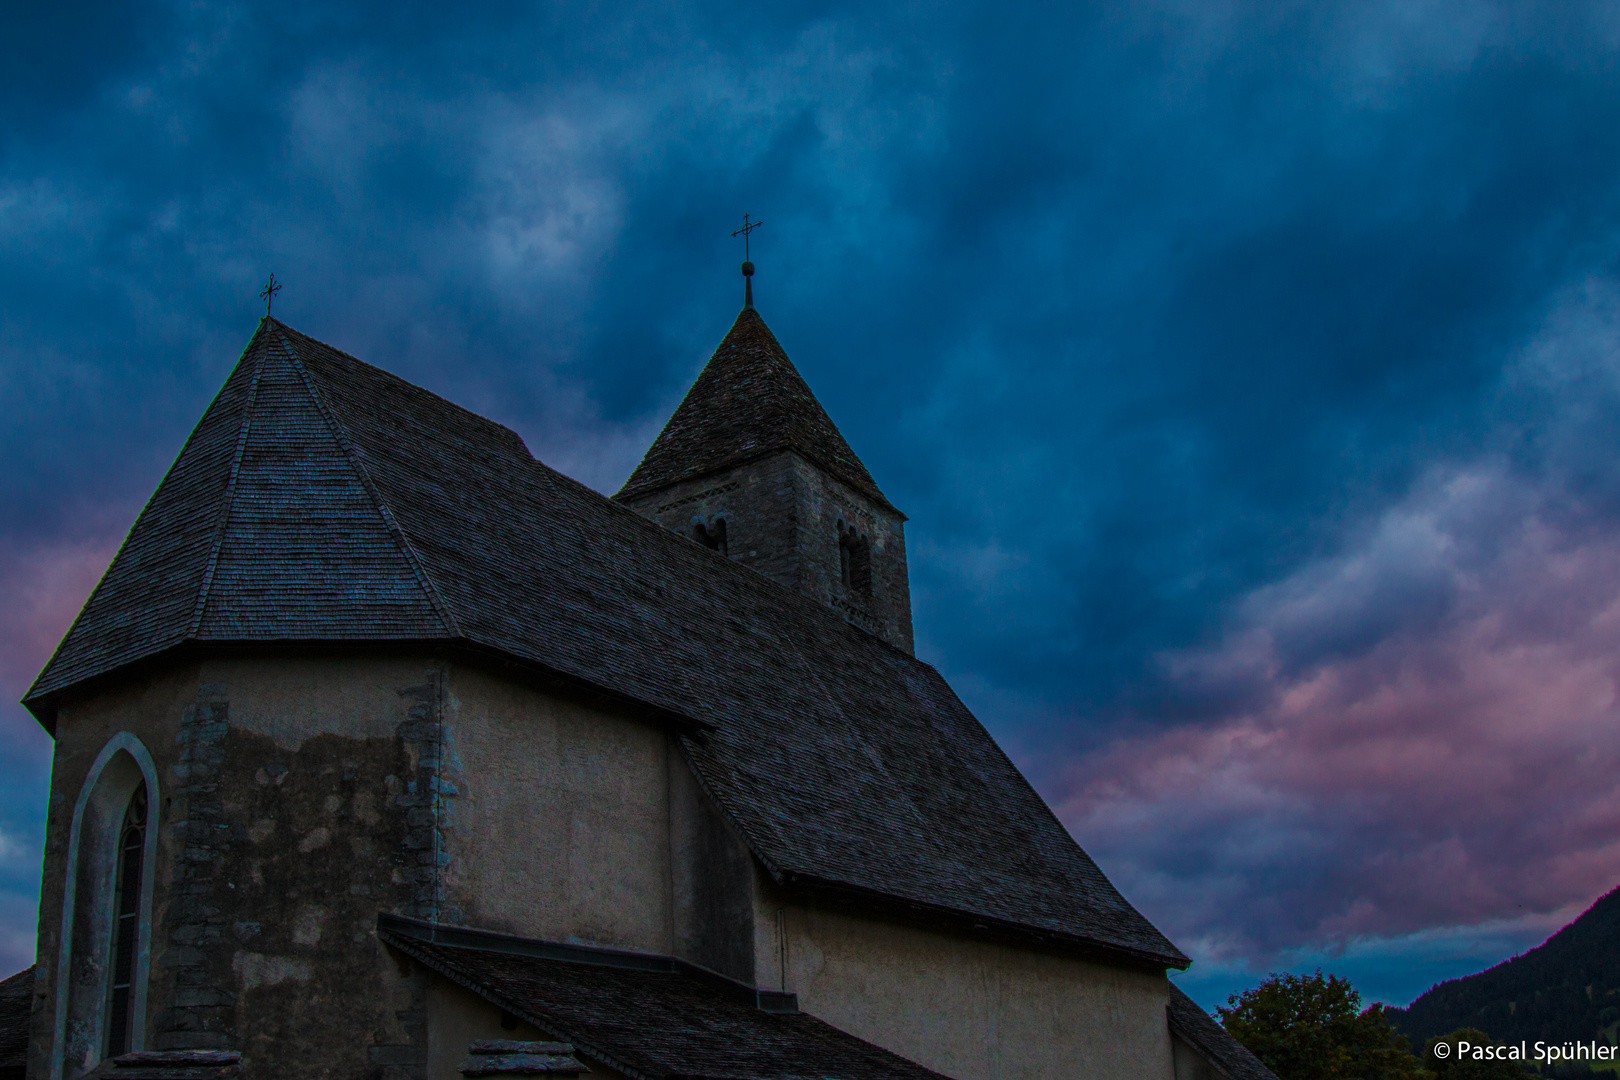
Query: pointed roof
321	499
267	527
748	401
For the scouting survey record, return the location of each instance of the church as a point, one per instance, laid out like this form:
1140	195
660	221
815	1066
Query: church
384	751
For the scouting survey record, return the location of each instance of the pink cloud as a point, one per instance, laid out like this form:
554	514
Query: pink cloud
1450	767
42	588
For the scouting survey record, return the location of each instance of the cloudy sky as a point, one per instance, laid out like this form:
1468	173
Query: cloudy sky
1250	372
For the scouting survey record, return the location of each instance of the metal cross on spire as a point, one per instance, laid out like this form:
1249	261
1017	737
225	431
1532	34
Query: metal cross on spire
269	293
748	264
748	227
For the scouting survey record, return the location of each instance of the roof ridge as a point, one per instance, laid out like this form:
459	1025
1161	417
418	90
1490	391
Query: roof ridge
294	335
222	525
340	433
129	534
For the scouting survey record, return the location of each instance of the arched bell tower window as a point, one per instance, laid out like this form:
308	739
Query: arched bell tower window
126	923
712	535
854	559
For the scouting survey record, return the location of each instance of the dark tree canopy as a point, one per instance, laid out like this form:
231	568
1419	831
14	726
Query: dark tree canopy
1312	1027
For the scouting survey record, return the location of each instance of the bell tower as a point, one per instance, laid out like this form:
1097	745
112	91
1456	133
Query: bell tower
751	467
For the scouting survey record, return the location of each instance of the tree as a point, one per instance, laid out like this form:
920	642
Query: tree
1312	1027
1454	1067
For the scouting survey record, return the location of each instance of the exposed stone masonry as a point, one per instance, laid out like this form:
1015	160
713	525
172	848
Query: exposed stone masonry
782	515
199	1009
422	796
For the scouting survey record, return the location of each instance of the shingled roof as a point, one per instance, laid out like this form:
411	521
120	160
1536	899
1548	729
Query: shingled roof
748	401
1231	1058
648	1016
16	1012
322	499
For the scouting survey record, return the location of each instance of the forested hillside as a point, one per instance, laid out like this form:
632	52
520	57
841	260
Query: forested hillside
1566	989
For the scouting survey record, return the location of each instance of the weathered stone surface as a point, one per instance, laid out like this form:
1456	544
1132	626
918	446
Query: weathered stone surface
784	515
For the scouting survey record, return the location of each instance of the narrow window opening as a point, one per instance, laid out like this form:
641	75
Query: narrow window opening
126	925
854	559
712	536
845	562
860	566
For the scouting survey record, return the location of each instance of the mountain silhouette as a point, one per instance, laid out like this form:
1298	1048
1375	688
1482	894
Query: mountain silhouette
1566	989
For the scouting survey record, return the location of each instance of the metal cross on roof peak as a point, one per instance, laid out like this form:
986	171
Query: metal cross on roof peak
748	227
269	293
748	262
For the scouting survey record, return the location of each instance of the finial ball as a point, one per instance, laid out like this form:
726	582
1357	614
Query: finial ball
748	269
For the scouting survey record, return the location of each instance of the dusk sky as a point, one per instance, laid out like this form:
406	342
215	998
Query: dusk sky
1250	374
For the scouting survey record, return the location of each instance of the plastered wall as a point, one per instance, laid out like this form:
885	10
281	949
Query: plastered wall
555	817
970	1009
1190	1064
458	1017
299	796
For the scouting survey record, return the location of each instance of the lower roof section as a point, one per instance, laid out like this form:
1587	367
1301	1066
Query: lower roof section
1230	1058
648	1016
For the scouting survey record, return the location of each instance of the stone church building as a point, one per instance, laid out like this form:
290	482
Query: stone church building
384	751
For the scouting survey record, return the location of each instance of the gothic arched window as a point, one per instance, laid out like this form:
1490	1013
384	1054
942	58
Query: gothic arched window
126	923
104	956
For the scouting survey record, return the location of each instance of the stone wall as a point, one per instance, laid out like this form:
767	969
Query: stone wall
758	501
824	501
299	796
782	514
149	711
296	799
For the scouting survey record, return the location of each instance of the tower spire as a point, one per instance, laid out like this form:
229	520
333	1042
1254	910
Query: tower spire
748	265
751	466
